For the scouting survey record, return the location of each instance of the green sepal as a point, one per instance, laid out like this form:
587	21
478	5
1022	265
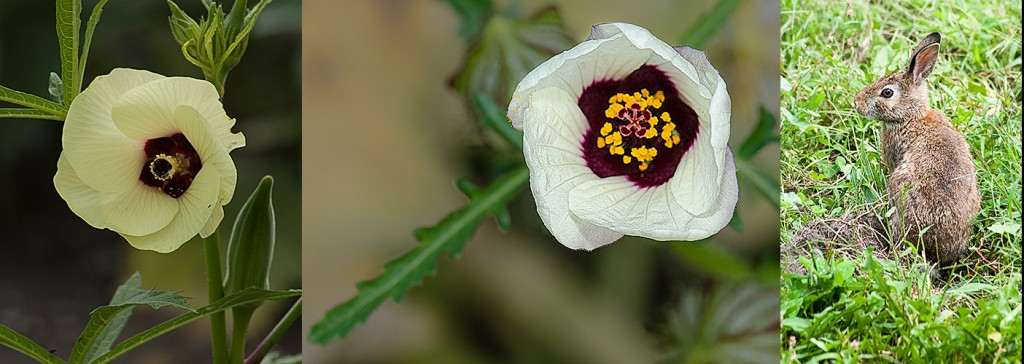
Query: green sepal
251	247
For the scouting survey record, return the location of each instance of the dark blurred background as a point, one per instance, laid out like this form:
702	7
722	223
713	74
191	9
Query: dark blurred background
55	268
377	78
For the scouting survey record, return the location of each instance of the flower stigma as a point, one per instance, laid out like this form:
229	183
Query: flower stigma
171	164
638	127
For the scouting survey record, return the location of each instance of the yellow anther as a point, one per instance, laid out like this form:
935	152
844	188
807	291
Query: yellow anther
613	110
655	103
665	116
643	166
670	127
650	133
600	143
607	128
653	121
660	96
644	92
626	159
668	143
675	139
652	151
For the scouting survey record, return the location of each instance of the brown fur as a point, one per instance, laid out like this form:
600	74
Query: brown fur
932	182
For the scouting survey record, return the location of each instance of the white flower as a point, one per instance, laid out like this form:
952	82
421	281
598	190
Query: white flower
147	156
626	135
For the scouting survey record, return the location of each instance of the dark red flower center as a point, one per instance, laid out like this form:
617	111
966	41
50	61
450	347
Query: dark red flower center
639	127
171	164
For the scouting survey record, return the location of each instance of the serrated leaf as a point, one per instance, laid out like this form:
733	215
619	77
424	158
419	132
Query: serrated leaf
68	25
245	297
24	345
709	23
104	316
56	88
106	338
508	49
401	274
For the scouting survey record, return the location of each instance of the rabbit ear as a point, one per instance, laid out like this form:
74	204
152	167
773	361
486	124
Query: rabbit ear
923	61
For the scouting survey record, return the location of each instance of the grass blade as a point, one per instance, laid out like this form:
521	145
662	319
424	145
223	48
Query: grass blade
403	273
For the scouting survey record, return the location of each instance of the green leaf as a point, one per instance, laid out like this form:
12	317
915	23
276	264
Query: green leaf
24	345
128	290
69	23
245	297
56	88
103	317
33	101
494	118
763	134
474	15
18	113
766	185
709	23
401	274
90	28
507	49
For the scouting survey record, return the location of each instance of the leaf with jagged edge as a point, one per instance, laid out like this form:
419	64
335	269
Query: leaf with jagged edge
401	274
106	337
104	316
506	50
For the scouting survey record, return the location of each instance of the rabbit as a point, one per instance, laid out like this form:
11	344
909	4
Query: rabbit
932	181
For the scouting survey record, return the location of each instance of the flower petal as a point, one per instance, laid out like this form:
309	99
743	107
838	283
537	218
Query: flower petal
196	209
657	212
140	210
147	111
593	60
552	150
103	158
211	151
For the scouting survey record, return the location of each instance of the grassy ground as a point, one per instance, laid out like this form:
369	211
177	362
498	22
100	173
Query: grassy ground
845	303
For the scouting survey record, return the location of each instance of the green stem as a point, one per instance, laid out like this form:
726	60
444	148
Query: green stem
275	334
240	317
215	286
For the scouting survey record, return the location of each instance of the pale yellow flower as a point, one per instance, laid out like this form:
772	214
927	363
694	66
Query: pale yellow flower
147	156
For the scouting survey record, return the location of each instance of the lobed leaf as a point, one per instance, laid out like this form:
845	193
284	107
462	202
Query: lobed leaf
247	296
401	274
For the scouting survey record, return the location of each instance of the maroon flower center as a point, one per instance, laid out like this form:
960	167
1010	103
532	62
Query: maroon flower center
639	127
171	164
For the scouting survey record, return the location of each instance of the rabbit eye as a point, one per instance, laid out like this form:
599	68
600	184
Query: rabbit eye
887	92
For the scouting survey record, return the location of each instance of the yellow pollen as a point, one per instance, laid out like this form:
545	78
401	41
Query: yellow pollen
600	143
650	133
646	93
626	159
643	166
653	121
607	128
665	116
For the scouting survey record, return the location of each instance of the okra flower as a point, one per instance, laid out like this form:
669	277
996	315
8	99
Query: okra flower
626	135
147	156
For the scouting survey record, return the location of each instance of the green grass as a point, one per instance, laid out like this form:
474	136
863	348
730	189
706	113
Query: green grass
849	308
